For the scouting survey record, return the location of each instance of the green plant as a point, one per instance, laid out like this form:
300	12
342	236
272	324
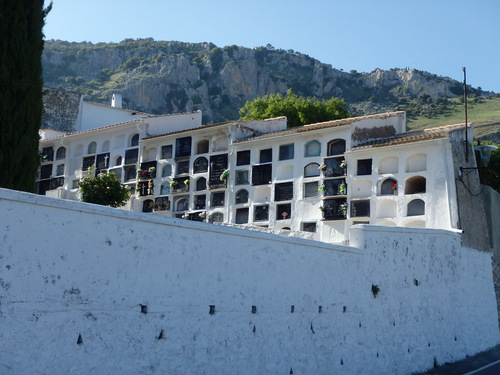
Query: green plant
104	189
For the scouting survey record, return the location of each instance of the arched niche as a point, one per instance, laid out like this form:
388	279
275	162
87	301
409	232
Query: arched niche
361	189
118	161
201	184
415	185
416	163
91	149
165	188
134	140
336	147
61	153
241	196
216	217
182	204
386	209
105	146
200	165
416	207
284	172
388	165
312	148
311	170
389	186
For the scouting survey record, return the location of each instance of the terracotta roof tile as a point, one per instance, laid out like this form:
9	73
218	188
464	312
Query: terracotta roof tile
321	125
416	136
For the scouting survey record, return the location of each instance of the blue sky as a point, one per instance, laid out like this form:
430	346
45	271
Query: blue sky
438	36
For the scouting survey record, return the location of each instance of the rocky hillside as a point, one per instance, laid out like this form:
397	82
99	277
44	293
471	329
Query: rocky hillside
168	77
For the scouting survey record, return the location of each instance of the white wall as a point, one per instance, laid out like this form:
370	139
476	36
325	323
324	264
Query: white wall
70	269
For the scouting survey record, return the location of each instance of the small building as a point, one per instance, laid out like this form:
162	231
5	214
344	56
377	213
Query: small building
315	181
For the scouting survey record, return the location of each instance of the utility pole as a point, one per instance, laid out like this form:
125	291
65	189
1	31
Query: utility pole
465	109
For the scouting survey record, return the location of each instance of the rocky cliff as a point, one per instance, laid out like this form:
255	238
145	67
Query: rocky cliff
169	77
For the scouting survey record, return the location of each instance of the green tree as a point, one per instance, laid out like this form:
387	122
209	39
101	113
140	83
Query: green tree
104	189
21	46
298	110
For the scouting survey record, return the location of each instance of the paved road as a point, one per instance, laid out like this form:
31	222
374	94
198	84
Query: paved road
485	363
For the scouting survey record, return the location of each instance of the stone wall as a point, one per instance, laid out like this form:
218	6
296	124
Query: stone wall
89	289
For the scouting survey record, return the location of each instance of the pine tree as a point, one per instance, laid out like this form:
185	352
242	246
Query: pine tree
21	46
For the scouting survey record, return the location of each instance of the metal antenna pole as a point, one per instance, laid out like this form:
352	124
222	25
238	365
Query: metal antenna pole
465	110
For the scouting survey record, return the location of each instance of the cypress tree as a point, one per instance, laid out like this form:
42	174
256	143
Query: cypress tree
21	46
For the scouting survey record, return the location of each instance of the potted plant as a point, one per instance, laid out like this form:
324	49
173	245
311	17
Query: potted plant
395	188
224	175
322	187
343	188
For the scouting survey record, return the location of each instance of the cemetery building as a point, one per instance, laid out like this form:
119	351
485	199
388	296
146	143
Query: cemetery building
315	181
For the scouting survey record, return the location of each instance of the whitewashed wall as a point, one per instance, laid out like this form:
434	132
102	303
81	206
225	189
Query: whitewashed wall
69	269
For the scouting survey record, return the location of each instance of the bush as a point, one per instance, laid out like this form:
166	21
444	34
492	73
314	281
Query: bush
104	189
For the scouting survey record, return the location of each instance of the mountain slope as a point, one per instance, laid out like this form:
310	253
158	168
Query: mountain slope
169	77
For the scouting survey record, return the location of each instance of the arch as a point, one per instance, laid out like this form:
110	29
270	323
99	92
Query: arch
241	196
200	165
284	172
166	171
388	165
182	205
201	184
415	185
416	207
388	186
61	153
416	163
312	148
148	205
202	146
134	140
118	161
91	149
165	188
336	147
217	217
105	146
311	170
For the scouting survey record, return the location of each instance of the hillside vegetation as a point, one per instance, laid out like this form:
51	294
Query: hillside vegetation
171	77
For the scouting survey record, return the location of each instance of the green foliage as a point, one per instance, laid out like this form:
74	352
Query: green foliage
491	174
298	110
104	189
21	46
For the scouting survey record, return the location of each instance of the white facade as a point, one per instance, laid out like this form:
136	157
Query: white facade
392	178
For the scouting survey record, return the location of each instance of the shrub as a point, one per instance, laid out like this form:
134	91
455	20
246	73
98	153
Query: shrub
104	189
